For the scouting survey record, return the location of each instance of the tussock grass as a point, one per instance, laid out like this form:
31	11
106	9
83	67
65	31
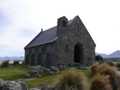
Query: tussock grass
103	76
56	78
101	82
72	80
103	69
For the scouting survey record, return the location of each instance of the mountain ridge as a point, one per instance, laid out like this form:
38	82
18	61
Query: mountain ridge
115	54
12	58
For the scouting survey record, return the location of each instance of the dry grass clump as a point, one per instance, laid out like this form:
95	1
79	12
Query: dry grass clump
101	82
106	69
94	69
103	69
112	64
117	79
103	76
72	80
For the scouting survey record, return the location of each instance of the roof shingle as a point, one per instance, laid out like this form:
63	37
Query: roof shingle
44	37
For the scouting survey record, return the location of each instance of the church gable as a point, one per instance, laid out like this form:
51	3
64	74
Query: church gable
82	30
73	28
67	43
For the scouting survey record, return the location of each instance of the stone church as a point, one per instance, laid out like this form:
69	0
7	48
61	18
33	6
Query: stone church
67	43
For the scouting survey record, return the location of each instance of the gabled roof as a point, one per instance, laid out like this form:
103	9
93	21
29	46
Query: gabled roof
44	37
49	36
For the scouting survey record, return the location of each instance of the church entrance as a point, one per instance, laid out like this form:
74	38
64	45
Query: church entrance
78	53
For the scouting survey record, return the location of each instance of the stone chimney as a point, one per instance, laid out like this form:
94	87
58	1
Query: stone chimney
62	21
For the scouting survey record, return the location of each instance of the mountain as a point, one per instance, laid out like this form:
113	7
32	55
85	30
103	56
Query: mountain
115	54
12	58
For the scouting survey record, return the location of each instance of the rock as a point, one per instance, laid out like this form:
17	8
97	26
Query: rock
36	71
48	71
1	84
61	67
12	85
117	79
44	87
55	69
23	85
35	89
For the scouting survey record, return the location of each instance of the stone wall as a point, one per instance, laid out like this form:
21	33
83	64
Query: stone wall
68	37
62	50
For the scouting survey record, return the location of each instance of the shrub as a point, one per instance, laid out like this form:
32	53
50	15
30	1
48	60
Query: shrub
71	80
106	69
103	69
94	69
16	62
5	64
99	58
101	82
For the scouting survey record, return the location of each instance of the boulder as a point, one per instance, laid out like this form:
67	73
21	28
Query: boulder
12	85
48	71
61	66
36	71
54	68
44	88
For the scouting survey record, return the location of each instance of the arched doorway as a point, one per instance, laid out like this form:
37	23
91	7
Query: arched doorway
78	53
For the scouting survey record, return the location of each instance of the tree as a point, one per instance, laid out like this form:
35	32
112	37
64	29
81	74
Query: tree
99	58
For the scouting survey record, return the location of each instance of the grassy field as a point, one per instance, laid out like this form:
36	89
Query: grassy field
13	72
20	72
53	79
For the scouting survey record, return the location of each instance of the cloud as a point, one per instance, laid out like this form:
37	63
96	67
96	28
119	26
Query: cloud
21	20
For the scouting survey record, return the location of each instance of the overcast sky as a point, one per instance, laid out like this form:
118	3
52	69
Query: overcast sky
21	20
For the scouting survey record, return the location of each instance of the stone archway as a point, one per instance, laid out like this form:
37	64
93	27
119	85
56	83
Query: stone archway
78	53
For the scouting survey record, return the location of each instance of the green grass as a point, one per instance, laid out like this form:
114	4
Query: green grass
13	72
52	79
20	72
44	80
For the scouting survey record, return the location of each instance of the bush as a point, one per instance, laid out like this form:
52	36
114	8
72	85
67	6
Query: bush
101	82
94	69
16	63
5	64
103	69
105	72
71	80
99	58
